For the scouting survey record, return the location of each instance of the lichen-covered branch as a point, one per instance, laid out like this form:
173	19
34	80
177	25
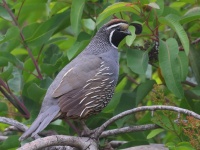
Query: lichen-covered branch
90	143
128	130
15	123
144	108
61	140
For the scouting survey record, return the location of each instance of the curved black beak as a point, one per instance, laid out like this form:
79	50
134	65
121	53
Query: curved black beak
127	32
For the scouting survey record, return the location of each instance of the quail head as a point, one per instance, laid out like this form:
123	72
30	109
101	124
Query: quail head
86	85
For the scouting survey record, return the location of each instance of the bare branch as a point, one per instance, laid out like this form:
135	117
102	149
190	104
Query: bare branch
12	122
196	41
116	144
144	108
128	130
18	125
61	140
148	147
3	138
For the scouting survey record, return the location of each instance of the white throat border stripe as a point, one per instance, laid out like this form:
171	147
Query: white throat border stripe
110	39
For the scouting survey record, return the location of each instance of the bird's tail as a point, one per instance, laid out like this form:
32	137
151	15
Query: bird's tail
43	119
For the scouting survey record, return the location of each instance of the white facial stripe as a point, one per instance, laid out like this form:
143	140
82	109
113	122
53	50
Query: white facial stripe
115	25
110	39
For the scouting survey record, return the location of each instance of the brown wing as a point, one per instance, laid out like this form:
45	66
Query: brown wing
90	98
77	75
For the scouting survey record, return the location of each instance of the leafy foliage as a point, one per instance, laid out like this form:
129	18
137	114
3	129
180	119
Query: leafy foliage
38	38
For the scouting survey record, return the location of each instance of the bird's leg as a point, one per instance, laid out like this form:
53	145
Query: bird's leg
86	131
73	127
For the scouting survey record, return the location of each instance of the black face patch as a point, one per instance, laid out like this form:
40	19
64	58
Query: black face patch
138	27
117	37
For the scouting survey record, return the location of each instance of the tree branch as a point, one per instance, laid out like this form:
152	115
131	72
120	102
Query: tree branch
128	130
61	140
144	108
14	100
15	123
3	138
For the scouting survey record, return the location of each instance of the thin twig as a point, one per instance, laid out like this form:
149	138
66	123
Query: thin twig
20	9
38	57
132	79
5	5
128	130
189	83
16	102
89	16
196	41
144	108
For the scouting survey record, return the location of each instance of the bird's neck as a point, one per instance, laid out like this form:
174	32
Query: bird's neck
99	44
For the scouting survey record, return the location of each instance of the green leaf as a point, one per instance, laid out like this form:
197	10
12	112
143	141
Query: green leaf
3	61
190	15
131	38
10	58
170	145
83	36
77	47
110	108
59	6
154	132
184	146
177	5
75	15
52	54
7	73
166	121
15	83
3	109
168	54
161	4
11	142
196	90
117	7
183	63
19	51
45	83
143	89
50	69
172	21
35	92
127	101
12	33
29	68
39	33
194	56
137	61
4	14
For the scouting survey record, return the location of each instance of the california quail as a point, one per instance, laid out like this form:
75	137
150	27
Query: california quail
86	85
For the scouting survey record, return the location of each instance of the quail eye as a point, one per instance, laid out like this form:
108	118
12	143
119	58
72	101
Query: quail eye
118	29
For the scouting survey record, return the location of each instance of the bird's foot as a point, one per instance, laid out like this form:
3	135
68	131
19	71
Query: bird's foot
86	131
